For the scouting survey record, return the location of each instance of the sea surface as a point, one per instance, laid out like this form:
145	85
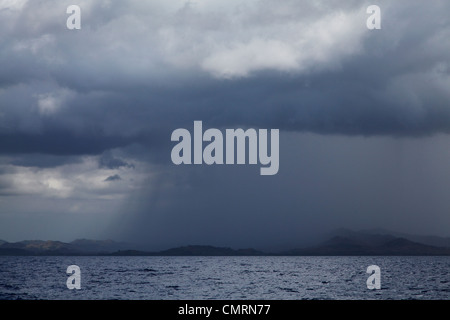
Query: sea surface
180	278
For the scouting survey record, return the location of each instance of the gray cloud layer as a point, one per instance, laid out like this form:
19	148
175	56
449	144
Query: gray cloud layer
136	68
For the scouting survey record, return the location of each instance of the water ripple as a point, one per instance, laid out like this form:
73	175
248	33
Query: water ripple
277	278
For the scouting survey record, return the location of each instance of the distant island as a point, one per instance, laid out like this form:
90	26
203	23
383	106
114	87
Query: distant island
340	243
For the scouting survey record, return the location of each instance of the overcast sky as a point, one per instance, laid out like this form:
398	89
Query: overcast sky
86	118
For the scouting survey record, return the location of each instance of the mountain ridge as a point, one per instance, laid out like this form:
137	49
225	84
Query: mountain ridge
341	242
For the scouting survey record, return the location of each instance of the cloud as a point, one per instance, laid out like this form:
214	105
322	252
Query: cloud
294	47
81	179
79	106
113	178
50	103
12	4
107	160
138	71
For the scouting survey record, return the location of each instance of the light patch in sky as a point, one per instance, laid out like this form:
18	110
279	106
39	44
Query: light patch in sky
12	4
291	47
83	180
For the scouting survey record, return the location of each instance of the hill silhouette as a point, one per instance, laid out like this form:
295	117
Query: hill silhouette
341	243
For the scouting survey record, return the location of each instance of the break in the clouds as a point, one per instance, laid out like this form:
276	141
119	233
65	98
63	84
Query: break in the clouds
86	115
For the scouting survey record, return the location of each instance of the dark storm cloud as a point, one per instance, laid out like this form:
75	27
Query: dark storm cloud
107	160
325	182
42	160
138	70
113	178
56	142
394	81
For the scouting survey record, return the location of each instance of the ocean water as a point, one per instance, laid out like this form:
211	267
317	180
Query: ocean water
269	278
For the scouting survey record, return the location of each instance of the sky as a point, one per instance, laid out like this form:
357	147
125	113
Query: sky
86	118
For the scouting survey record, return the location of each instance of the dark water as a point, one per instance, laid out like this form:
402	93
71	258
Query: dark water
271	278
